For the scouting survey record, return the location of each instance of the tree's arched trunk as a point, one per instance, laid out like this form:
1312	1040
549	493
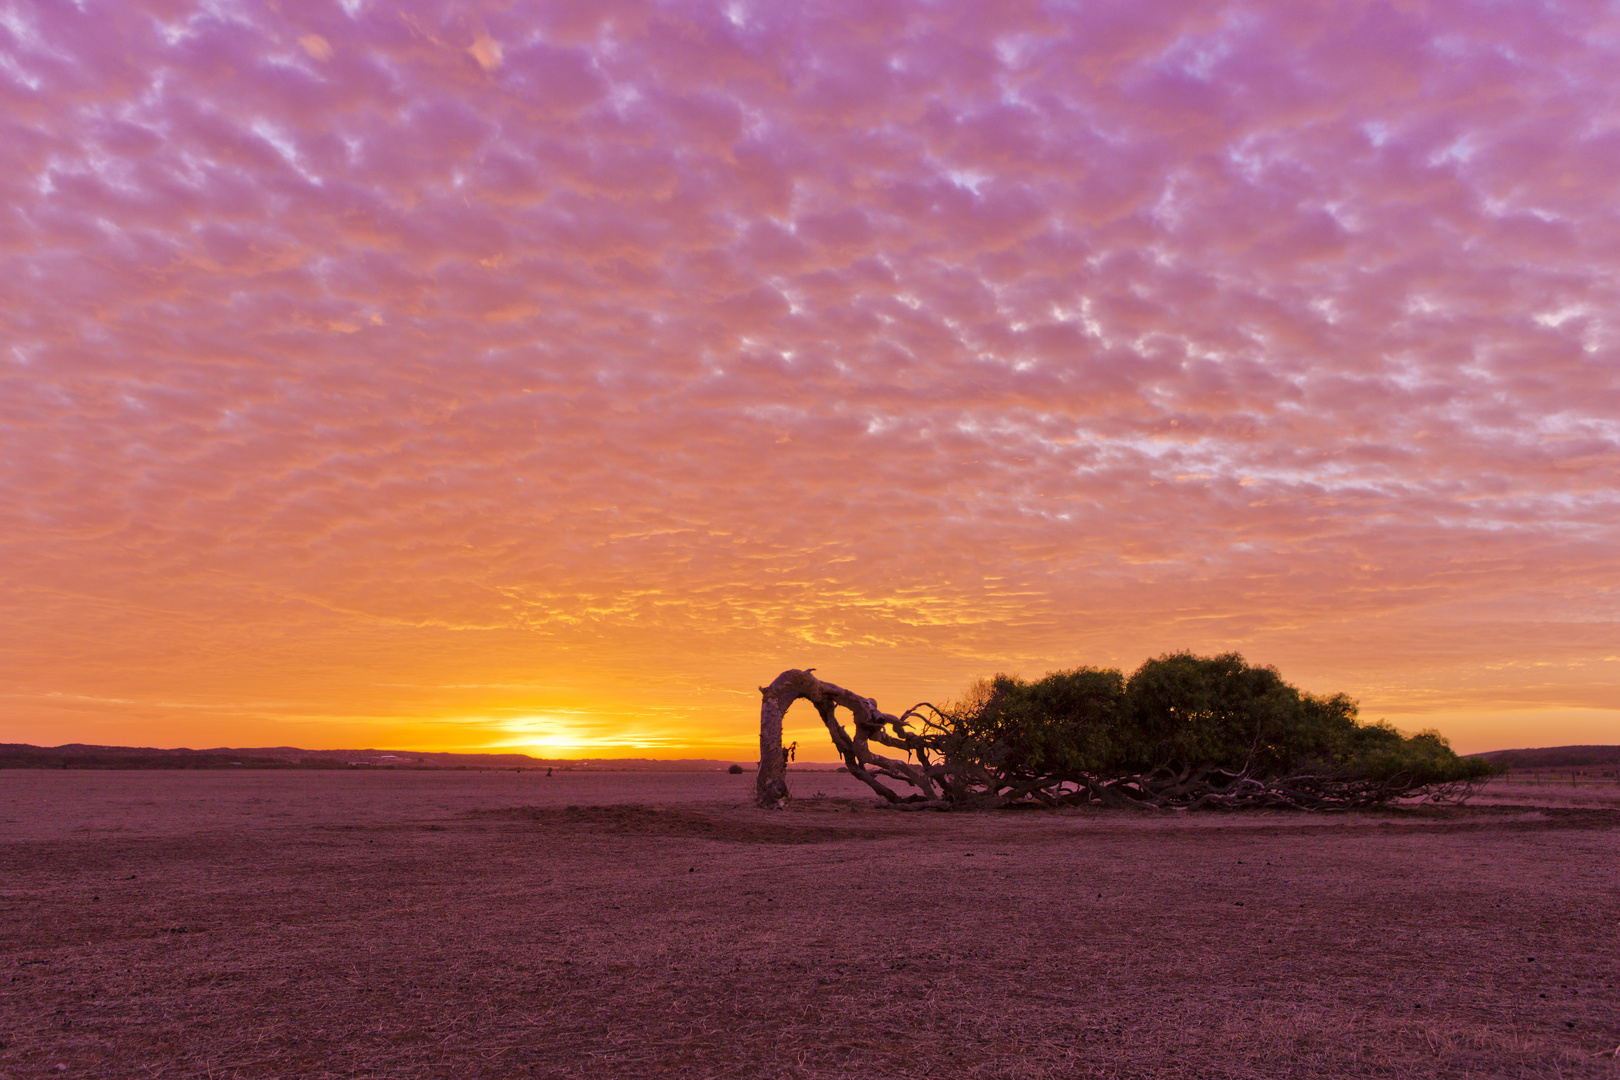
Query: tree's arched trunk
770	787
870	723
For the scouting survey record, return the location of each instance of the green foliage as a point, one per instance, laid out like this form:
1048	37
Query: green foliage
1181	713
1065	723
1379	752
1186	710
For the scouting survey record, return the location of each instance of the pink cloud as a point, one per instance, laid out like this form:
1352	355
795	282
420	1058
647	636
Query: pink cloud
359	345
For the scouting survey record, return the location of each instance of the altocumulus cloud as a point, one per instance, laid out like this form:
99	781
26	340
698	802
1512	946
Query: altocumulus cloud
358	353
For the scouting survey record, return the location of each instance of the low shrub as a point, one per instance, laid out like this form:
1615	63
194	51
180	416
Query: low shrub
1186	730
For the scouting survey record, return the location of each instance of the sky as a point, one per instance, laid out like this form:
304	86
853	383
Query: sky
550	376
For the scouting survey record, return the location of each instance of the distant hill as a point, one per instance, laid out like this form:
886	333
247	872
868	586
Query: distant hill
82	756
1553	757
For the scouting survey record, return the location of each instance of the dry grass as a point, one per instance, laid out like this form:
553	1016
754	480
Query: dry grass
472	925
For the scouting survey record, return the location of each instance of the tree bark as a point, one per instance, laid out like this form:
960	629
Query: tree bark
770	786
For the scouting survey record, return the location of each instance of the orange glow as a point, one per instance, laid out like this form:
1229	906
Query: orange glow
553	378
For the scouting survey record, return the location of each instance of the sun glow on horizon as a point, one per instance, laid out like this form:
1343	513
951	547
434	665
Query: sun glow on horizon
584	733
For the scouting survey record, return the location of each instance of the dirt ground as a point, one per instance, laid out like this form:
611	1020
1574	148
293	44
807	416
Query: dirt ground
1549	791
449	924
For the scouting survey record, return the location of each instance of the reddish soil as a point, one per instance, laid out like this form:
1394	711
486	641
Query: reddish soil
1550	792
615	925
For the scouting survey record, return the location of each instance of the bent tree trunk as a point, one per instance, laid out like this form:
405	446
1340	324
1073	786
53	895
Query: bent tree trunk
770	788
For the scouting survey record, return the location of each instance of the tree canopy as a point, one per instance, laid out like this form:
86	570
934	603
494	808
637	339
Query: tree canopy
1183	727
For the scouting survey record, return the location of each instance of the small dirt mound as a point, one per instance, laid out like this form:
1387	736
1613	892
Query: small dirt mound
652	821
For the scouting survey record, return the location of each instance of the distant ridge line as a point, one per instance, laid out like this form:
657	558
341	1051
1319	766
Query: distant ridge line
90	756
1553	757
87	756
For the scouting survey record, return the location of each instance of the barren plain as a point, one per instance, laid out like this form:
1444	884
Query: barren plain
471	924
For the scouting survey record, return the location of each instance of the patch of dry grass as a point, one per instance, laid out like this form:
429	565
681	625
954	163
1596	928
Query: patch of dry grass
702	939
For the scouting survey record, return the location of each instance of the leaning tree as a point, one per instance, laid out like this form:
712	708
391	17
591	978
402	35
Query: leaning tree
1183	731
